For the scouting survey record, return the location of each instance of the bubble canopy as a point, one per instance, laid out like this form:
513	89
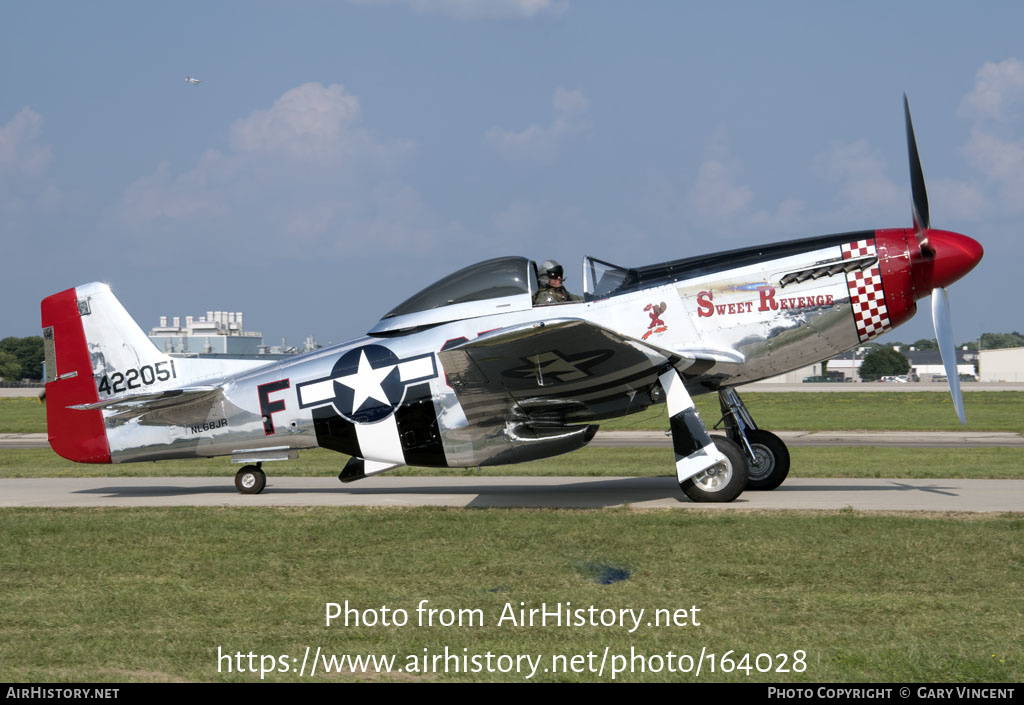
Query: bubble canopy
493	286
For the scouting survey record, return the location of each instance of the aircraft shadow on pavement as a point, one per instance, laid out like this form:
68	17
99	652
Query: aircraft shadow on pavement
597	493
589	494
892	485
158	491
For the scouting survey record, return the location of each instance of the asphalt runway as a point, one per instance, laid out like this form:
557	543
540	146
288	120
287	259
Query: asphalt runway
479	492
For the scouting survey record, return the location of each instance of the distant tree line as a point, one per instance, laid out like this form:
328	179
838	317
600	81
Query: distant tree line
989	341
21	358
995	341
883	362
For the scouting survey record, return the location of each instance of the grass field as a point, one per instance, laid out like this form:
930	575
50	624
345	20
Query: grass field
150	594
22	415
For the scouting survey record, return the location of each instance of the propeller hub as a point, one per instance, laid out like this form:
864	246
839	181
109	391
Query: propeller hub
951	256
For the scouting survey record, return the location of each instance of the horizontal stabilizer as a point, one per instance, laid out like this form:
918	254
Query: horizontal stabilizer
153	400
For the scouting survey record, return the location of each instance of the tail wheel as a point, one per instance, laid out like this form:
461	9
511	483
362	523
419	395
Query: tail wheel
250	480
771	461
723	482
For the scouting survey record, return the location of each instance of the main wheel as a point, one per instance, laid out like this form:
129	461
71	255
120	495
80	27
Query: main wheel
723	482
771	465
250	480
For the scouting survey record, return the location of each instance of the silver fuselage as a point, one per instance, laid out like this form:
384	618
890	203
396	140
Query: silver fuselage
719	328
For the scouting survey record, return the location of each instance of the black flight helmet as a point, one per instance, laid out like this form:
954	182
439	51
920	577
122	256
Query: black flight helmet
548	270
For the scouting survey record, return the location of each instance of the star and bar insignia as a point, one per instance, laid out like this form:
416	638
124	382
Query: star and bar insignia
367	383
553	367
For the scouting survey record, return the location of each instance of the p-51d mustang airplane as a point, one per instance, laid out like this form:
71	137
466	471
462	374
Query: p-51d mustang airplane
469	372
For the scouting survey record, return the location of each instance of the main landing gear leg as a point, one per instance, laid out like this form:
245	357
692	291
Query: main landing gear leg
766	454
708	468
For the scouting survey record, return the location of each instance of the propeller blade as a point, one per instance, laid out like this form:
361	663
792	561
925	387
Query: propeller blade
944	335
922	219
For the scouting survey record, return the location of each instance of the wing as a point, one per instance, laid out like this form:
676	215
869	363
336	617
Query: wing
557	371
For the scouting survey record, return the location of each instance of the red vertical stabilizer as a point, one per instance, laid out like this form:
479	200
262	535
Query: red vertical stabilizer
75	435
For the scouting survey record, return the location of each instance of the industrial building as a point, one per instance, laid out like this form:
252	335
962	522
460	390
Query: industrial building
1006	365
216	333
924	365
927	364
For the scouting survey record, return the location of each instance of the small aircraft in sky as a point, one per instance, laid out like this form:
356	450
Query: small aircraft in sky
472	372
193	81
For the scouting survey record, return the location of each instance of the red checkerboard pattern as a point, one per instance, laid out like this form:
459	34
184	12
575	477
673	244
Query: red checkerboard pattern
860	248
866	295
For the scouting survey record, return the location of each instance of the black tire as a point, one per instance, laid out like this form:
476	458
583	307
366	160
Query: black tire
772	464
721	484
250	480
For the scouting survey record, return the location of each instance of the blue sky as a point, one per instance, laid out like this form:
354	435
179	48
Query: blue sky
338	156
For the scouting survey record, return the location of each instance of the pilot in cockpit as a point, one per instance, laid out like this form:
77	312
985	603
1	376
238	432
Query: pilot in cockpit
550	278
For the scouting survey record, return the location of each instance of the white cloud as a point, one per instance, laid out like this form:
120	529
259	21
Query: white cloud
28	194
396	219
300	172
949	198
716	196
540	142
788	217
864	186
165	196
479	9
1001	161
721	203
570	104
21	152
995	148
308	225
715	201
310	123
997	87
307	122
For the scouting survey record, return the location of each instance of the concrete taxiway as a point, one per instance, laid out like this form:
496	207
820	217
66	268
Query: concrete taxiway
481	491
583	492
